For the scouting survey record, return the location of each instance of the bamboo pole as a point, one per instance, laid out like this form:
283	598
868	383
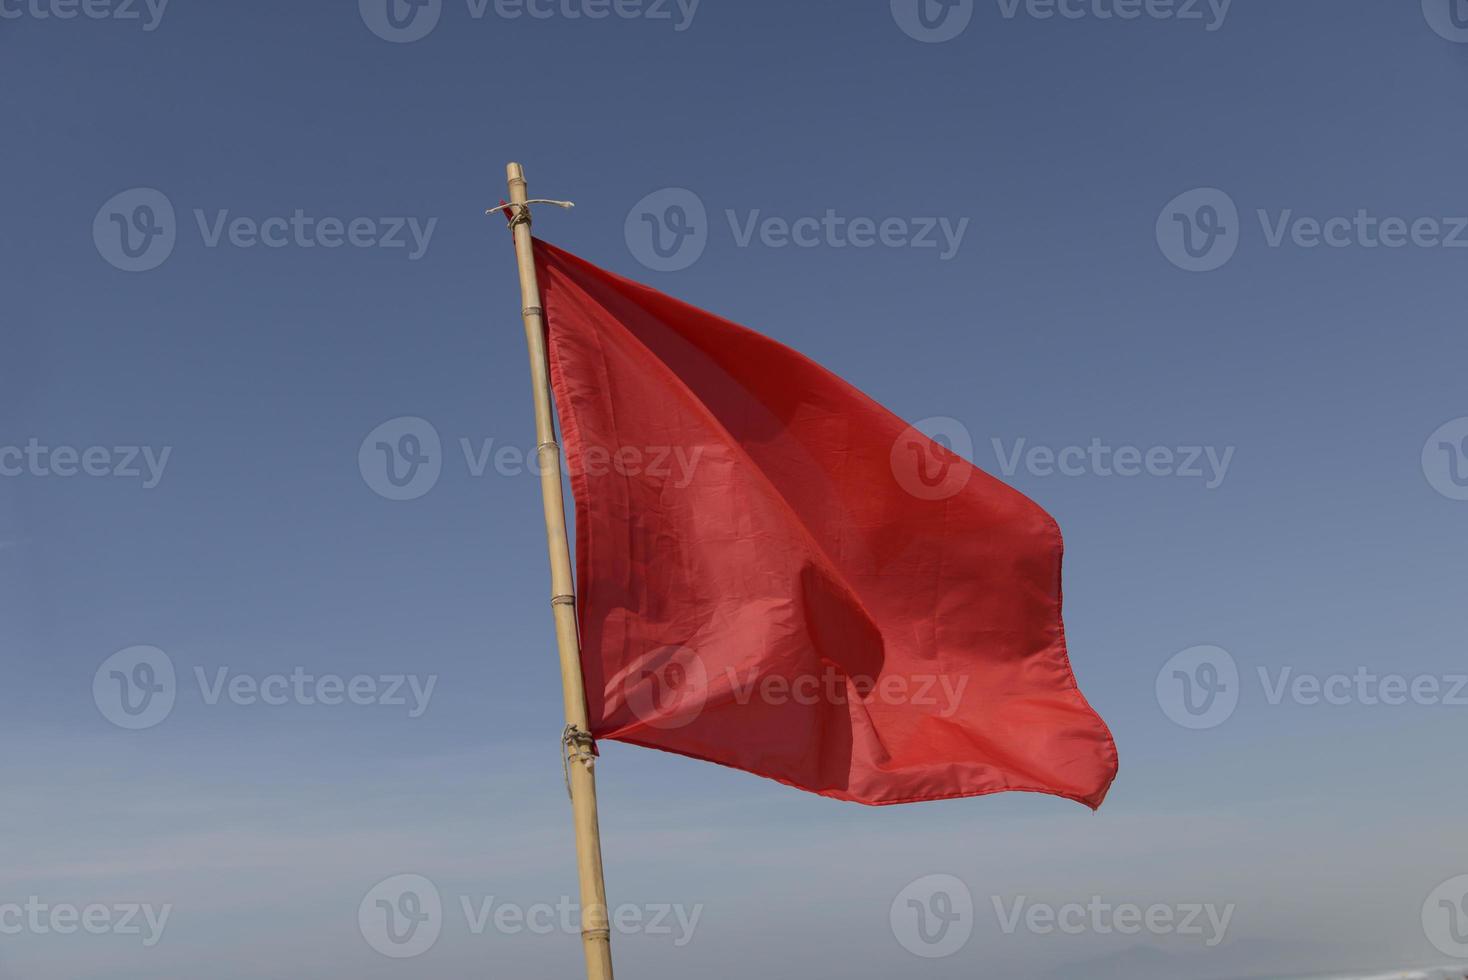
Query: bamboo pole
576	746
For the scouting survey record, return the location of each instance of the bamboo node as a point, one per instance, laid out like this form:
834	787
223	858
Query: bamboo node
563	600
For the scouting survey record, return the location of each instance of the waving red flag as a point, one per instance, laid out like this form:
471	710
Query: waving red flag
777	574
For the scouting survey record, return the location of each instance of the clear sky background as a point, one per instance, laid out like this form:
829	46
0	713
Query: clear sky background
1333	542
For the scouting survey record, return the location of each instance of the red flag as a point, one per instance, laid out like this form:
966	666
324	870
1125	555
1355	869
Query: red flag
777	574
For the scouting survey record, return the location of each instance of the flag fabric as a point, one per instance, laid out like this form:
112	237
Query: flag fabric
777	574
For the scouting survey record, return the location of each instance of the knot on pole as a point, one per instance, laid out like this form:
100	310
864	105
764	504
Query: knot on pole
519	214
579	745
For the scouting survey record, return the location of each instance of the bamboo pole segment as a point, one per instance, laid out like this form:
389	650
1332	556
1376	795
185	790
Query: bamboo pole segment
576	743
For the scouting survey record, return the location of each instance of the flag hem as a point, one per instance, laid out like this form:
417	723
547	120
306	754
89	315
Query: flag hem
1093	803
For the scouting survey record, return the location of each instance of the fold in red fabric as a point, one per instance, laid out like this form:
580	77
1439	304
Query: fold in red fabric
777	574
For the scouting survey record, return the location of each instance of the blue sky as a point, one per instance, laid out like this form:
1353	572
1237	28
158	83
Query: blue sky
1225	235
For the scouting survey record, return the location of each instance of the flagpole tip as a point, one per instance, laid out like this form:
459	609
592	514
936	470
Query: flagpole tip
514	171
